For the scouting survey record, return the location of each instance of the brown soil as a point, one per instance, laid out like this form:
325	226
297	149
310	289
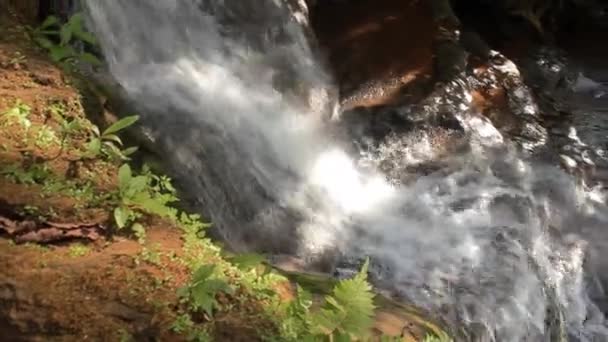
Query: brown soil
377	48
50	295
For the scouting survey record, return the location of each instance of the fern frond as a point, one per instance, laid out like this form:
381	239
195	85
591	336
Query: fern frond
350	308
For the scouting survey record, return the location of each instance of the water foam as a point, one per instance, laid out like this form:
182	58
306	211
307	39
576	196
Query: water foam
491	240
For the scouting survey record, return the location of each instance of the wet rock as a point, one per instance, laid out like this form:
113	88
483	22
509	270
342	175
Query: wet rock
568	162
475	45
450	57
443	13
548	72
512	208
403	141
512	105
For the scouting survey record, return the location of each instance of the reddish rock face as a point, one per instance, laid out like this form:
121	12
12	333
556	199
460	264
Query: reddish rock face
376	48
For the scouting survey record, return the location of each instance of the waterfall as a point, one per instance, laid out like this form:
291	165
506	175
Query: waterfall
233	94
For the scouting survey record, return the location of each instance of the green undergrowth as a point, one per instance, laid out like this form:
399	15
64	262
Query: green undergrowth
58	39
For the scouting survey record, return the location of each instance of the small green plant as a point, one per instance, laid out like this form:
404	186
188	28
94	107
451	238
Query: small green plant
108	144
18	114
17	60
183	325
32	211
298	323
124	336
57	39
46	137
82	190
348	311
69	126
201	293
346	315
78	250
149	255
35	174
145	193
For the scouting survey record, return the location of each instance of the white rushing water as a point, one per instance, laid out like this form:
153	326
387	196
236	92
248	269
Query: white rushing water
489	241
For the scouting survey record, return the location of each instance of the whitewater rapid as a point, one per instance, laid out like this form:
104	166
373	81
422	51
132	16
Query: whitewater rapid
503	246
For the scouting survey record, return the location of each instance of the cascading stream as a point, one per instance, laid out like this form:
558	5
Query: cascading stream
232	94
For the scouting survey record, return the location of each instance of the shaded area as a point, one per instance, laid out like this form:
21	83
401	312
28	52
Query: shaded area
376	48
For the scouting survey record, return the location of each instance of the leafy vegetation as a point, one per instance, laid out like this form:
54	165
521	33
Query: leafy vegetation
78	250
17	60
58	40
200	294
142	194
18	114
108	143
346	315
348	311
35	174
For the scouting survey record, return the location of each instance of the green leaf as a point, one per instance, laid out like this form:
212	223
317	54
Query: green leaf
203	298
124	177
140	232
113	138
121	124
44	42
66	34
85	37
90	58
153	206
129	151
112	151
183	292
73	126
121	216
203	294
135	187
341	337
247	261
203	273
49	21
59	53
350	308
94	147
76	21
204	288
95	130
